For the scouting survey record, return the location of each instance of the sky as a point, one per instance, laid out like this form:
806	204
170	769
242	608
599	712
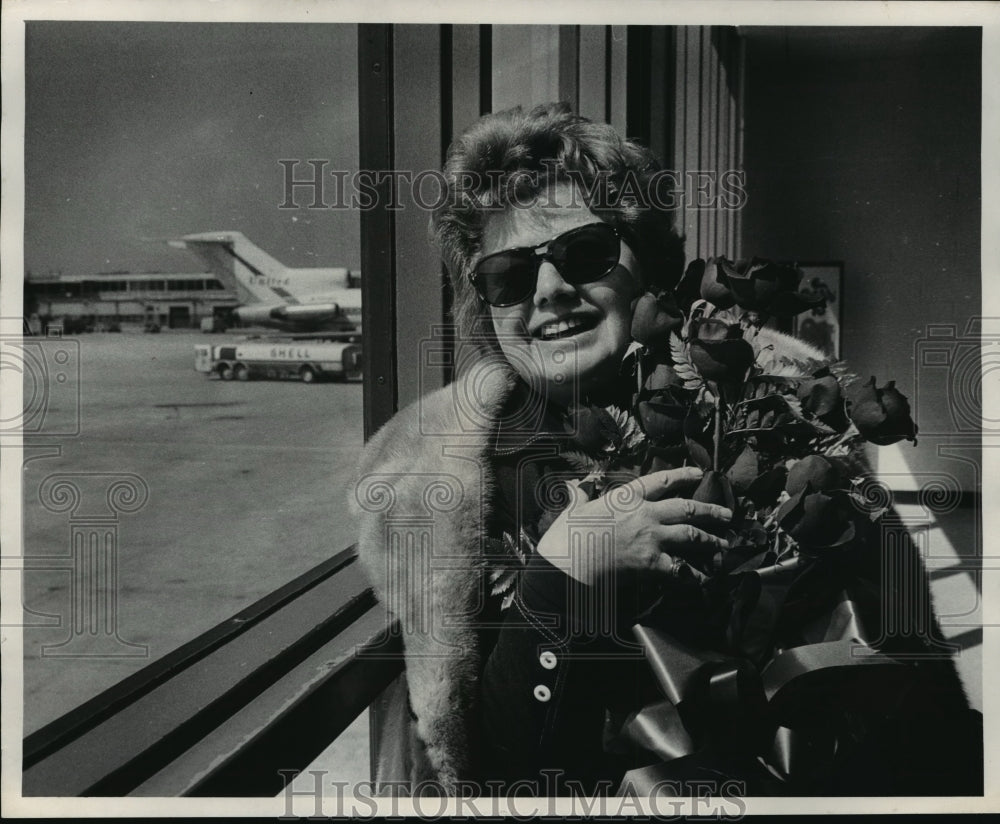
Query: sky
137	132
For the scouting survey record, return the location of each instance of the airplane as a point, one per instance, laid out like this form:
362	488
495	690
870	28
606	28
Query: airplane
274	295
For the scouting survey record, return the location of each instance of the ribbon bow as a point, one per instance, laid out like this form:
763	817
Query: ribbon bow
775	719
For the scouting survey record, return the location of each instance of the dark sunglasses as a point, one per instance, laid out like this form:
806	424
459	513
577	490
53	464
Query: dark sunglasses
581	255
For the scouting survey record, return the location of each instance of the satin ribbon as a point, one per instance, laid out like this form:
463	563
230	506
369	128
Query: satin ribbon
731	696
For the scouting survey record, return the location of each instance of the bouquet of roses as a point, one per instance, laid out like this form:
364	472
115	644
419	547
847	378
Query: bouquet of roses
774	425
749	644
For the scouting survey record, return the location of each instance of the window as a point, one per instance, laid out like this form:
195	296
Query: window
212	480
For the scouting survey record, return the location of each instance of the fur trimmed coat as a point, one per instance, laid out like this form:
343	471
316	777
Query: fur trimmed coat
422	500
422	492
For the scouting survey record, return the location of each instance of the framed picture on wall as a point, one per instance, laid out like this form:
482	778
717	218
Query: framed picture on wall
821	327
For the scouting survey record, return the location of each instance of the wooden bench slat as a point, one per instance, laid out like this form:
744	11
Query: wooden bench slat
138	739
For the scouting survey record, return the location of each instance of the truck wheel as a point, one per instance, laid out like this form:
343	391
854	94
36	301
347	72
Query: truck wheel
241	373
307	375
226	373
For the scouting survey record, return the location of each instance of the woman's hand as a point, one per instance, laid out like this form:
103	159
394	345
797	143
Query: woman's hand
653	529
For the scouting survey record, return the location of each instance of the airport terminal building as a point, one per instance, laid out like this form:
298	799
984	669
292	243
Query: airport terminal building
120	299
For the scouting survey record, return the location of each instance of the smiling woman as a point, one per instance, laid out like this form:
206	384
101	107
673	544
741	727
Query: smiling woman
574	328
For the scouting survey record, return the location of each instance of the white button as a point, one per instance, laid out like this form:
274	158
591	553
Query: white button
547	660
542	693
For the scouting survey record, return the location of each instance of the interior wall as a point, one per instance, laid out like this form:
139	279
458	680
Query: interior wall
525	65
706	135
863	146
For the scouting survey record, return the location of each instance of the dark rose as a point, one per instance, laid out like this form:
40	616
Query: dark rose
719	351
714	286
882	414
820	395
763	286
814	470
817	520
663	416
661	377
715	488
653	319
744	469
593	429
756	283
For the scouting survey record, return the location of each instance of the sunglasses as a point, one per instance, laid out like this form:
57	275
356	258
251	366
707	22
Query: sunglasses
581	255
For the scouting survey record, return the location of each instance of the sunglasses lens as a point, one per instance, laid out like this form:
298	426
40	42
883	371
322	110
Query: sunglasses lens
587	254
581	255
506	278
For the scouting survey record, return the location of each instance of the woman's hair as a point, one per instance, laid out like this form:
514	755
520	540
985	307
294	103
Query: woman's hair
510	157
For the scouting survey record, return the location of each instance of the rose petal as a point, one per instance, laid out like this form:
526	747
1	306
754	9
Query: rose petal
744	469
714	287
820	395
664	422
723	362
882	415
764	286
661	377
653	320
814	470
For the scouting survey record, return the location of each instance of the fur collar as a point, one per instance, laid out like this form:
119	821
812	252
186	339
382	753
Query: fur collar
421	502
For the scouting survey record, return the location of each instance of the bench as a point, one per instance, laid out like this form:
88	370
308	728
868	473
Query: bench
267	690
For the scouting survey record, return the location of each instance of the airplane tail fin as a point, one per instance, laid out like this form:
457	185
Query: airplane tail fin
254	275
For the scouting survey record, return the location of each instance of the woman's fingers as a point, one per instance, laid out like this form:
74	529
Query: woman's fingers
671	567
685	539
668	482
686	511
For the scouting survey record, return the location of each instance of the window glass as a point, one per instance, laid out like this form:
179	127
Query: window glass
226	489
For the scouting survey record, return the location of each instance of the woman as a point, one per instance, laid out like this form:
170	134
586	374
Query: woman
511	675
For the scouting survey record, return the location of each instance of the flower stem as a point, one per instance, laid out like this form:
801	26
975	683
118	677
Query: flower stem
718	429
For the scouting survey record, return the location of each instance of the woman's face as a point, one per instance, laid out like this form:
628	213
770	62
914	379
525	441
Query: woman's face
565	340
